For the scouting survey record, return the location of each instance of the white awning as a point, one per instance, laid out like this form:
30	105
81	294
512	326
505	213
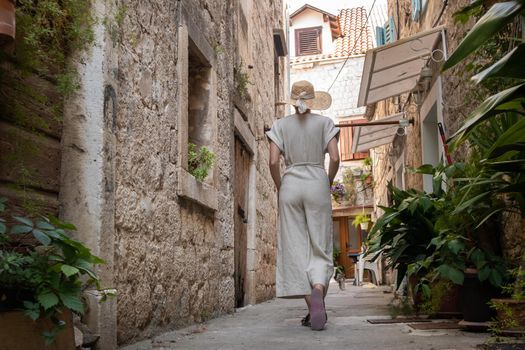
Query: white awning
367	137
393	69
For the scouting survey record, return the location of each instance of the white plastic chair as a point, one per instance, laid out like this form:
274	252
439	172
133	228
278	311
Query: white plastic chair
366	264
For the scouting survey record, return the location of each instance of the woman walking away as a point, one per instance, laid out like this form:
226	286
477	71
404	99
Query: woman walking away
304	257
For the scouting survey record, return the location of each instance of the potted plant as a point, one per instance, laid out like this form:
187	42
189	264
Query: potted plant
510	311
7	21
338	191
43	280
500	170
362	220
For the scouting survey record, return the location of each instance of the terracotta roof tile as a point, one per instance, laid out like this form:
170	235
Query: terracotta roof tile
351	42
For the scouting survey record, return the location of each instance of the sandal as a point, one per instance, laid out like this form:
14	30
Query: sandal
317	308
306	321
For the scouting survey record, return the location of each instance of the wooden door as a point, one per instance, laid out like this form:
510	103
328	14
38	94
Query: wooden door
349	242
242	174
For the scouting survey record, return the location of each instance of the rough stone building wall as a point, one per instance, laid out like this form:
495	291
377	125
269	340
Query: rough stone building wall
171	259
458	102
454	88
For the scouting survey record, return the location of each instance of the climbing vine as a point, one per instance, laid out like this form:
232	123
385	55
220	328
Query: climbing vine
35	78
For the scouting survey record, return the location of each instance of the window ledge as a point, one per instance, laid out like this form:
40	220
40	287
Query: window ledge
190	188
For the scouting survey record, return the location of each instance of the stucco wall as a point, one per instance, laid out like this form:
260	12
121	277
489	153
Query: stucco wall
307	19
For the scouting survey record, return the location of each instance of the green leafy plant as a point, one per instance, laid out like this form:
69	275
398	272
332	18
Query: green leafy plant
504	163
200	161
47	277
403	233
361	219
460	230
242	80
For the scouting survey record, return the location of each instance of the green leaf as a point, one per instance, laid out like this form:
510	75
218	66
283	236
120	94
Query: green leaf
3	228
63	225
23	220
492	22
451	273
21	229
72	301
47	299
484	273
42	237
426	203
495	278
486	109
425	169
426	290
32	310
511	66
44	225
69	270
455	246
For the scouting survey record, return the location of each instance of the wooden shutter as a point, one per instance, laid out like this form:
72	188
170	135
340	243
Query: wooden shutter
380	36
308	41
345	142
390	30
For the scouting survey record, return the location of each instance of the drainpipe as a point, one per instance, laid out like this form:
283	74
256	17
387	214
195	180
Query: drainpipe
445	3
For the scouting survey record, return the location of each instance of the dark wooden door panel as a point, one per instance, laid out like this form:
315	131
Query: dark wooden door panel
241	179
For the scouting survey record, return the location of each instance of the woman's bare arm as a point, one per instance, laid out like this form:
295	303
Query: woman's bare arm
275	164
333	152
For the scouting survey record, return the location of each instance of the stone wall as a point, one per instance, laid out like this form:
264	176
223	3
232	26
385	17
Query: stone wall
459	98
454	88
170	248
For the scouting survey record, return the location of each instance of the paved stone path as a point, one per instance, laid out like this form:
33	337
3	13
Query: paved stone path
275	325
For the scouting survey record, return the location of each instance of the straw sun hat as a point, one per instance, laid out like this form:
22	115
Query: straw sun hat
303	96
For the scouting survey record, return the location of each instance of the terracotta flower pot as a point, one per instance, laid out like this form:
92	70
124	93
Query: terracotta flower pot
516	308
7	21
20	332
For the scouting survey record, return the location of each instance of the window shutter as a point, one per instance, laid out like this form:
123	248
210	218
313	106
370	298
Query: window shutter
416	9
308	41
359	155
380	36
390	30
345	142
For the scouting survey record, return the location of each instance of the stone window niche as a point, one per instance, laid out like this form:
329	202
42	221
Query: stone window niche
201	116
197	122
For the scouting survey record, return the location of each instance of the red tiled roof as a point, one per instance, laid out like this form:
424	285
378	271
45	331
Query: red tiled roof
351	42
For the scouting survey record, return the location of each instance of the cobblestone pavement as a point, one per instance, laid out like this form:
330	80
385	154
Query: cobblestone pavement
276	325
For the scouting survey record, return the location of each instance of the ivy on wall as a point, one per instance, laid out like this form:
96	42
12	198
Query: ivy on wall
35	77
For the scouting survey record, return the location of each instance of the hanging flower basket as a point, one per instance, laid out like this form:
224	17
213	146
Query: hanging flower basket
7	21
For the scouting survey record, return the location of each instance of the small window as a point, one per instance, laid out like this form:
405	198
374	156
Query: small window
345	142
308	41
201	114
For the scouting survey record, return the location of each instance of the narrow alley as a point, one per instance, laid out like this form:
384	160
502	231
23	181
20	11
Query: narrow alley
276	324
193	174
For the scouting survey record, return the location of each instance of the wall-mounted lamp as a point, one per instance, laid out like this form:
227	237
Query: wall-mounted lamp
402	129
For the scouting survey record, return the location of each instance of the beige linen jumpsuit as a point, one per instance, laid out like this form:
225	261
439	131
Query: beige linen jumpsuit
304	255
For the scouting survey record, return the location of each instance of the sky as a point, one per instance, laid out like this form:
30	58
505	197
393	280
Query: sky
331	6
378	17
